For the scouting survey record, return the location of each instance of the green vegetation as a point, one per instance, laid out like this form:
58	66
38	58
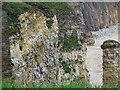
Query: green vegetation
50	8
14	9
8	83
65	65
75	84
57	6
49	23
70	43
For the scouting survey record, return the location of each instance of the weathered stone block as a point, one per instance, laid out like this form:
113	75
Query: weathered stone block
111	62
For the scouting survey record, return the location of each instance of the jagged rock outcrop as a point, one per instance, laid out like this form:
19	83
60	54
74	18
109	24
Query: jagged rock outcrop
42	49
37	57
111	62
34	54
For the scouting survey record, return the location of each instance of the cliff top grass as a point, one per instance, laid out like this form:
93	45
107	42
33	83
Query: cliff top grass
14	9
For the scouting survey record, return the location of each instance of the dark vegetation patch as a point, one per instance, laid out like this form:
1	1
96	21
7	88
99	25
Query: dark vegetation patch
49	23
14	9
71	43
65	65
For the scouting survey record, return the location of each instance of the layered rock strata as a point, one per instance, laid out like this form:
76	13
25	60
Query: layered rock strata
111	62
94	16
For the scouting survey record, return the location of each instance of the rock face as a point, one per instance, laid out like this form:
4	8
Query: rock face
95	16
6	62
70	27
73	66
72	47
42	49
34	54
111	62
37	57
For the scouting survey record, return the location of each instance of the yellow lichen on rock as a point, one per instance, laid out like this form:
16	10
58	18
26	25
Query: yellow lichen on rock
37	51
35	48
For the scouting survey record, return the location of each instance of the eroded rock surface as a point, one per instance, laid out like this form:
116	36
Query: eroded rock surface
111	69
37	57
94	16
34	54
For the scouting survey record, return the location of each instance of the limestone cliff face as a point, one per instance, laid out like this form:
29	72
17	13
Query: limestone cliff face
73	66
37	57
34	54
72	47
95	16
70	27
